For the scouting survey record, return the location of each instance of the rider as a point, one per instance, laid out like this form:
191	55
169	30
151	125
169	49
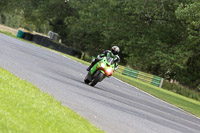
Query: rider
113	53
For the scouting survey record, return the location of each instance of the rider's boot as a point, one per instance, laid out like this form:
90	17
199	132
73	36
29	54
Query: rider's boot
88	69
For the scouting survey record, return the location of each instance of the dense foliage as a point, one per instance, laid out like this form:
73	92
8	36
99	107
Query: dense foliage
159	37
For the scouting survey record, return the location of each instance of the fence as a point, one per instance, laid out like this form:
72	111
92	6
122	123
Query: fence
145	77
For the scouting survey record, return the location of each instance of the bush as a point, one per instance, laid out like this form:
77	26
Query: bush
87	57
179	89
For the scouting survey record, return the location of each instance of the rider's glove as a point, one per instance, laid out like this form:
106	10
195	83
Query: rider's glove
99	57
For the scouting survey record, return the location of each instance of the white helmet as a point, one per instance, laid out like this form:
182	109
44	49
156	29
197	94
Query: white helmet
115	50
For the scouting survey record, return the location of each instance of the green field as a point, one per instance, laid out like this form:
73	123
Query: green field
26	109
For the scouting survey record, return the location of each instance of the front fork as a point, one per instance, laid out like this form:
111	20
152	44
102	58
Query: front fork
95	74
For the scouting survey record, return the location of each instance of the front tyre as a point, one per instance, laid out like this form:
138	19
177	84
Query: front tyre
98	78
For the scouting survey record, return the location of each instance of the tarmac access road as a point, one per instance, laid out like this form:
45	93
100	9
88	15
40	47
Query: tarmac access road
112	105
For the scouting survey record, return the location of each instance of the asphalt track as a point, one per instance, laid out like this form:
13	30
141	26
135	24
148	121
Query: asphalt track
112	105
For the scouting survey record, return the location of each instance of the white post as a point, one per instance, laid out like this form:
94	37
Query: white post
161	83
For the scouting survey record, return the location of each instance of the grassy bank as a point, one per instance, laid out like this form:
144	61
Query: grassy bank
7	33
182	90
24	108
187	104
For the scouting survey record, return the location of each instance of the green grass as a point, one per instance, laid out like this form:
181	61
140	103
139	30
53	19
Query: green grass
26	109
7	33
187	104
182	90
14	36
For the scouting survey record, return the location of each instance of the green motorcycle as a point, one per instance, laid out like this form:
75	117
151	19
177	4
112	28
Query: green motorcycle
103	68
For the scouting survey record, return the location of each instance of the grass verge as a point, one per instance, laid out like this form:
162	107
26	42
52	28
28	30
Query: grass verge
24	108
187	104
14	36
7	33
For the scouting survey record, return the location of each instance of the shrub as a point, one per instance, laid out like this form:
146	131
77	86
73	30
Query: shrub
179	89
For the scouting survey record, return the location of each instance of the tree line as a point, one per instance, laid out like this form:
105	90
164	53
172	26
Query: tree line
161	37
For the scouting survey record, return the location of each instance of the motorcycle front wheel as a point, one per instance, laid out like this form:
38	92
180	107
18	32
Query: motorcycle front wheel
97	79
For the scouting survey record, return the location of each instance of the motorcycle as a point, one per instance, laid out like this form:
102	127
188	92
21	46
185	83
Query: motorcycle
102	69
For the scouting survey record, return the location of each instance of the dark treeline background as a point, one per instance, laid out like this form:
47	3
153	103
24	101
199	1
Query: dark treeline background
161	37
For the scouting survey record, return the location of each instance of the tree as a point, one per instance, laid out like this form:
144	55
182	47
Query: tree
190	16
155	36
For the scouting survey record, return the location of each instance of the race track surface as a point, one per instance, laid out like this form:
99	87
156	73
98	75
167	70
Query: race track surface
112	105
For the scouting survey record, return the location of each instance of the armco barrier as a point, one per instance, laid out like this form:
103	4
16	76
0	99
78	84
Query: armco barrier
46	42
145	77
28	36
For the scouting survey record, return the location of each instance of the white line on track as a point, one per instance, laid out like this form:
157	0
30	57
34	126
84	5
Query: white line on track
156	97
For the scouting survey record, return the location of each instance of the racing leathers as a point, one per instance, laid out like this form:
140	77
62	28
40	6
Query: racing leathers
106	53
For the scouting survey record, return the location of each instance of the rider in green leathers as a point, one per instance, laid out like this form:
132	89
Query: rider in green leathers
113	53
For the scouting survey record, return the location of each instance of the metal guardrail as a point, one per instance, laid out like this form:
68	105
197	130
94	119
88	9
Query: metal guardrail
145	77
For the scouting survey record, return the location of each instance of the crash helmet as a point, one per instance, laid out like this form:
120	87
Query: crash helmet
115	50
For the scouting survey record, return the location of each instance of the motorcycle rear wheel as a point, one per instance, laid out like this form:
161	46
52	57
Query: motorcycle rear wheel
86	80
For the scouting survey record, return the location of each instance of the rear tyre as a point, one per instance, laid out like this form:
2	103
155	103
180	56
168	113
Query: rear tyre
98	78
86	80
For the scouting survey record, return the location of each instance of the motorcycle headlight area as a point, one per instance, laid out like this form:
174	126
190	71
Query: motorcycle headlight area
103	65
109	71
